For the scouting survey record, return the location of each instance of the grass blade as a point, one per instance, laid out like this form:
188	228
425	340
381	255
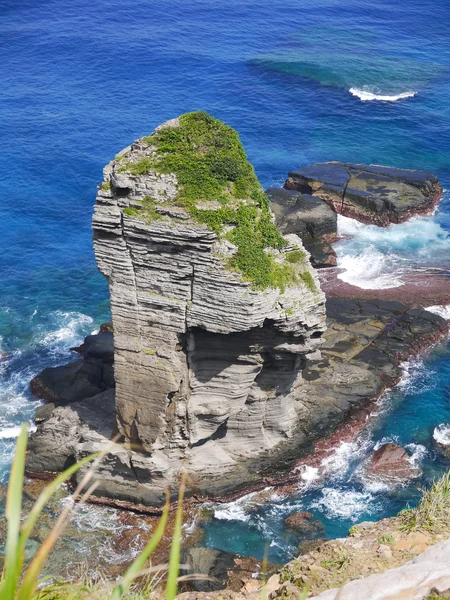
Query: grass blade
12	566
42	500
175	550
136	567
30	580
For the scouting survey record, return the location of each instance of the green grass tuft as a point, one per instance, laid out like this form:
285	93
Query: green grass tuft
308	280
106	186
386	539
433	512
210	164
130	211
338	562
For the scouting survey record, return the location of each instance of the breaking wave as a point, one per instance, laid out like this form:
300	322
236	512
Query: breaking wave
346	504
372	257
442	311
441	434
65	329
365	94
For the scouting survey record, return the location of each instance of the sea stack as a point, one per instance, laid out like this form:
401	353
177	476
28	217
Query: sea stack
215	316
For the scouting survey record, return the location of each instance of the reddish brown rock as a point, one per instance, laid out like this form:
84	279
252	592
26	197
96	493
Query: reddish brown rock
392	460
303	522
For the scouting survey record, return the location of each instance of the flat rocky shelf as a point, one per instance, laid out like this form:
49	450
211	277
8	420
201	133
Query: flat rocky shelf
372	194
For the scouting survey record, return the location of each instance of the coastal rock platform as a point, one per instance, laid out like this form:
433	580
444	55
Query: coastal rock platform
362	349
372	194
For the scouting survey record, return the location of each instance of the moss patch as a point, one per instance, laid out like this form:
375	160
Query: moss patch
210	164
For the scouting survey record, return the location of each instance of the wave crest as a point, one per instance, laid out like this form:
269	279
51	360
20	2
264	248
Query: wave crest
367	95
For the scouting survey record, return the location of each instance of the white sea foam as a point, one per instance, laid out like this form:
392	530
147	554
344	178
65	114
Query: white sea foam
235	511
366	270
345	504
308	473
70	329
441	434
372	257
12	432
418	453
368	94
442	311
417	377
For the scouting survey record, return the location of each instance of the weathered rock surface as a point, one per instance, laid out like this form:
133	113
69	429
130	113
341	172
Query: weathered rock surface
207	367
392	461
362	348
303	522
310	218
81	379
416	580
213	375
369	193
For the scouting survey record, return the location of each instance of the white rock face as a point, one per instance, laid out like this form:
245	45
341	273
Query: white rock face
206	367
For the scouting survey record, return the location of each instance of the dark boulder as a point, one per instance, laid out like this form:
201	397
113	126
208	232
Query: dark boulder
100	346
369	193
81	379
310	218
68	383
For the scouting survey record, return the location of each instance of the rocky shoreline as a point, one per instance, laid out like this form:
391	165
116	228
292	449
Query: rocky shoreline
371	194
203	370
362	349
247	387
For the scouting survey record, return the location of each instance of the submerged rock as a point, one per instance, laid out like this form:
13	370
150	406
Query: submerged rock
392	461
369	193
304	523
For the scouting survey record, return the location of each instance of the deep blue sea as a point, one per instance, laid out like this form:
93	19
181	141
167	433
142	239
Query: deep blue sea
302	81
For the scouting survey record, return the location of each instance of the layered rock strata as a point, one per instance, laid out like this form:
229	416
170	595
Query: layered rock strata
361	354
371	194
208	360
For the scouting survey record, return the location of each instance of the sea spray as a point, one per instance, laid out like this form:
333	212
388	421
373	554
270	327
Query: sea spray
372	257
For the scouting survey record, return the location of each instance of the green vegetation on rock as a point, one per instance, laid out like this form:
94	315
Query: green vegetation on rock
433	512
296	256
210	164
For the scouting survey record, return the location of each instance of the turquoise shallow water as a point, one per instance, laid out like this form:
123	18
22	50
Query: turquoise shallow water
81	80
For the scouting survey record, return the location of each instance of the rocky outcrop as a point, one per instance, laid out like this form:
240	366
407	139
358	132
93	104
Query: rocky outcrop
371	194
362	347
376	561
218	320
81	379
391	461
215	318
441	440
310	218
303	522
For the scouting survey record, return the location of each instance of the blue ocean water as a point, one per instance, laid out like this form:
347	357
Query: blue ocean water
299	80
